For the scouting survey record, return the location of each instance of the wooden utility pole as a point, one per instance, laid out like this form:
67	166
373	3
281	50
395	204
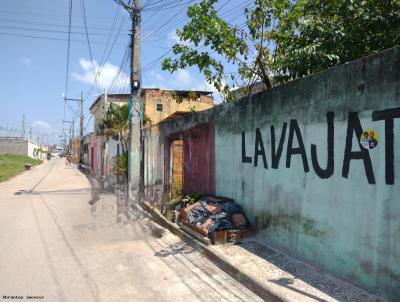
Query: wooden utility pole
135	158
81	118
23	127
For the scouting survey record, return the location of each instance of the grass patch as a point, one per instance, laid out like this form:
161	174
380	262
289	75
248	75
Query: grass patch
12	164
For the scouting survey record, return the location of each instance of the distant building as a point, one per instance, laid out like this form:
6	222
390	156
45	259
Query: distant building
158	104
161	103
101	105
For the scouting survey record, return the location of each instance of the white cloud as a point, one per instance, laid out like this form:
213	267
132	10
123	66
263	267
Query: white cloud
210	87
207	87
156	76
40	125
174	39
183	79
26	61
105	74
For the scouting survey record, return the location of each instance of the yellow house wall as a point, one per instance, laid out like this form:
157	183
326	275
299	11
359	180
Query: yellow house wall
151	99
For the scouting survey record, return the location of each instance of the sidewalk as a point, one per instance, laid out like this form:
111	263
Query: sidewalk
271	274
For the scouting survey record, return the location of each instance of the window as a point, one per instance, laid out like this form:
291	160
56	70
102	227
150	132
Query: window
160	107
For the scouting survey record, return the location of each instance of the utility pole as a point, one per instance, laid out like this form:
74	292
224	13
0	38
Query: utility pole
73	128
81	118
23	127
72	135
136	143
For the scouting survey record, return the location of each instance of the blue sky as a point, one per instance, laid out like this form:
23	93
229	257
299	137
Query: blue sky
33	40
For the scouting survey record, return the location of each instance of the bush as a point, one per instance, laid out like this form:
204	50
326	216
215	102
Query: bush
193	197
121	166
177	190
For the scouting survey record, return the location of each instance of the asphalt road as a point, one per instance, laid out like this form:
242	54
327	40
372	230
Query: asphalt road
54	246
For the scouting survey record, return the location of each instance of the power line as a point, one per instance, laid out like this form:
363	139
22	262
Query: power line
108	55
49	30
166	22
52	15
107	29
68	46
72	110
121	69
227	13
109	35
167	5
161	34
47	38
82	2
148	66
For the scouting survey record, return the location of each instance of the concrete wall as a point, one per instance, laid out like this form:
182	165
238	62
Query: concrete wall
102	160
94	151
319	195
14	146
20	147
110	153
32	147
292	158
154	167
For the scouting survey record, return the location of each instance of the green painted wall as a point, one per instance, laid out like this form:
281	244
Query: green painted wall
348	226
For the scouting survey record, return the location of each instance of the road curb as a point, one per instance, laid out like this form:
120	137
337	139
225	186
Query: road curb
258	288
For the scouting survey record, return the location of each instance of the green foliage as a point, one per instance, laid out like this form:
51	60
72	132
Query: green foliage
121	166
179	97
283	39
316	35
38	151
193	197
12	164
147	120
115	124
177	190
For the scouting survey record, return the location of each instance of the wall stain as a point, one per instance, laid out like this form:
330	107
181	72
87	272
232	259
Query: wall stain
290	222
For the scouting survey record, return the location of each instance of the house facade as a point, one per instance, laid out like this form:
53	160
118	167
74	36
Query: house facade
158	104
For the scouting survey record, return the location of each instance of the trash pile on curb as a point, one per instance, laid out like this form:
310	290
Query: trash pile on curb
218	218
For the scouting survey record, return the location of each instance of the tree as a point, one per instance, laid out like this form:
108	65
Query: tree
282	40
115	125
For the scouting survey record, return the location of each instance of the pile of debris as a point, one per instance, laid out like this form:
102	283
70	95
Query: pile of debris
219	219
